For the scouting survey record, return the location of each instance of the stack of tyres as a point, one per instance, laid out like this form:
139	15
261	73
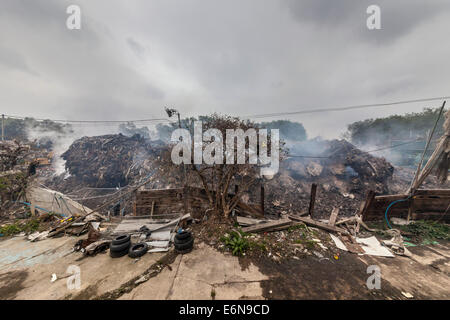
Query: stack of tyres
183	241
120	246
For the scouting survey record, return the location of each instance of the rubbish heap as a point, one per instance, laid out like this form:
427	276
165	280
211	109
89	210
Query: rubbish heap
110	160
14	171
343	173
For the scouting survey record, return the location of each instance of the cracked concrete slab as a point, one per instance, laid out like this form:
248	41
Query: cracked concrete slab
197	274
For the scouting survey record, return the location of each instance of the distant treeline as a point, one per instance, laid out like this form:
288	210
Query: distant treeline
19	128
289	130
380	131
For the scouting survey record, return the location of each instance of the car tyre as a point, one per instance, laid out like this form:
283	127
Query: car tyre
138	250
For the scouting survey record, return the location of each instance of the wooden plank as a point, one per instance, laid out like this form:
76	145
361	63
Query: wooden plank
444	192
294	223
333	216
392	197
244	221
153	208
318	224
267	226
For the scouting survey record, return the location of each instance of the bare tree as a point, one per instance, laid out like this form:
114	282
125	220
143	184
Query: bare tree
219	178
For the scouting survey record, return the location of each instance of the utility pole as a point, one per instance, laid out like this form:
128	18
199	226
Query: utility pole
170	113
3	127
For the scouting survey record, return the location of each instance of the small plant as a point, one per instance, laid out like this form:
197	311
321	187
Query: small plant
296	227
237	242
9	230
309	244
428	230
261	245
30	226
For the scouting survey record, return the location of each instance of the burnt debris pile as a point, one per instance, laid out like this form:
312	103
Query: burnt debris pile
15	167
343	174
110	160
12	154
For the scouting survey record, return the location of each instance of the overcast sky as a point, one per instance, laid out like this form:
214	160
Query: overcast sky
242	57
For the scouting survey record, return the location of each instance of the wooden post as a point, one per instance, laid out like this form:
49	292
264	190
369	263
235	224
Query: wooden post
134	203
33	208
262	199
312	200
367	204
153	208
410	209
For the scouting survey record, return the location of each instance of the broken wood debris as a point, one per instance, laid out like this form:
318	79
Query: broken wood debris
333	216
267	225
245	222
318	224
255	225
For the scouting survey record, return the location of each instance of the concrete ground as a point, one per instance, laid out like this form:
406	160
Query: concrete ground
203	274
27	268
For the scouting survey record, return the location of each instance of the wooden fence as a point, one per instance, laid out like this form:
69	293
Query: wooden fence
425	204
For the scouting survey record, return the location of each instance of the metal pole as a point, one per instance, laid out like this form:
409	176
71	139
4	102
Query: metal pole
184	166
3	127
185	191
262	197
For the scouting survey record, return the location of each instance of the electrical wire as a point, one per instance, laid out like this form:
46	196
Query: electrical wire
319	110
344	108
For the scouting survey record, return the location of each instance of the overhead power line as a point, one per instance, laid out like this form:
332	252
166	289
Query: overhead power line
93	121
256	116
344	108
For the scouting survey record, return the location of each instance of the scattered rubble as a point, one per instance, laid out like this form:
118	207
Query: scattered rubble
343	175
311	208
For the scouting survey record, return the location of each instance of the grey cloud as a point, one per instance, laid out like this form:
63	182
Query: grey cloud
14	60
398	17
237	57
136	47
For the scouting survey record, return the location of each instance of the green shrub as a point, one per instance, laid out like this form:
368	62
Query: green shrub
429	230
236	241
9	230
